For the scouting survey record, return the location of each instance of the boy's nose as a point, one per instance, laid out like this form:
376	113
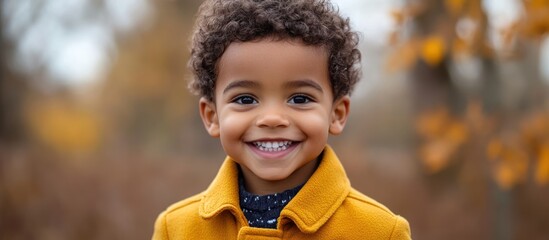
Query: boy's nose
272	119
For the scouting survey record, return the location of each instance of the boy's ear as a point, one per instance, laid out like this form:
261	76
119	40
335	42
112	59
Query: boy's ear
340	113
209	116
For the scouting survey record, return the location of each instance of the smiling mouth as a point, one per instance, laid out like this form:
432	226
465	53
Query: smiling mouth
272	146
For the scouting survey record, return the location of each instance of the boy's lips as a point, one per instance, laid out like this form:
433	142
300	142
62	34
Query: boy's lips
273	148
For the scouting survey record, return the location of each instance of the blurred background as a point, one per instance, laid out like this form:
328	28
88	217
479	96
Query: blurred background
98	133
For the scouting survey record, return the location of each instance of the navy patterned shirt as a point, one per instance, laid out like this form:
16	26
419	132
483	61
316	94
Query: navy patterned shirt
262	211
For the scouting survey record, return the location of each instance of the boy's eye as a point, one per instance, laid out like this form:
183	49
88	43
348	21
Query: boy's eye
299	99
245	100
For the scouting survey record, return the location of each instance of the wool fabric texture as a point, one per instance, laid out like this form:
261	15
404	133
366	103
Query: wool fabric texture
326	207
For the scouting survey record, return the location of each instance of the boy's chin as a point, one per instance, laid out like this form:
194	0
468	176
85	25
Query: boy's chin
272	177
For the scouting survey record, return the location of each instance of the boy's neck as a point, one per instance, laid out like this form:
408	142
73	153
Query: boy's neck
258	186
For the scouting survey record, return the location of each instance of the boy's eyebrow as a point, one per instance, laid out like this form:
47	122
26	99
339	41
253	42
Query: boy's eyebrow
242	84
303	83
291	84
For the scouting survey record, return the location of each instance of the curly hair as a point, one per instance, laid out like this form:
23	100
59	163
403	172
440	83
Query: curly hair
314	22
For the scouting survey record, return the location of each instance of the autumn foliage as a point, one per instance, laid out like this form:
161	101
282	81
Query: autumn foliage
449	33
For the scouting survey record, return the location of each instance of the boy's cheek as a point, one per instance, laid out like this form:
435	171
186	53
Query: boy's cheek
316	126
233	126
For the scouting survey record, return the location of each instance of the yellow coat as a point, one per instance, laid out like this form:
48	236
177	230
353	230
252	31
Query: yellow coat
327	207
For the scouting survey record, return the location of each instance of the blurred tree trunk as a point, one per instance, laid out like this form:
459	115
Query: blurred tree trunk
433	86
3	84
10	93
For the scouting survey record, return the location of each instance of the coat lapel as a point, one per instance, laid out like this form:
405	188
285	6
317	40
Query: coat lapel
320	197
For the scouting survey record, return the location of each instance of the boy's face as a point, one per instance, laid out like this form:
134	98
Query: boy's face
274	109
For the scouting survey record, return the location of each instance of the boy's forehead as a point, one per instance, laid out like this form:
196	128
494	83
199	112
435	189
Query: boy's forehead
272	54
273	41
274	60
260	49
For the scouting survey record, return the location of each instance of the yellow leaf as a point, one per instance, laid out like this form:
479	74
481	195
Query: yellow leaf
457	132
63	127
505	177
495	148
460	48
512	167
398	15
536	21
534	129
436	155
542	169
476	117
475	10
536	4
433	50
430	124
403	57
454	6
508	34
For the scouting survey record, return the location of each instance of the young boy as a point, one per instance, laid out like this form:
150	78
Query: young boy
274	78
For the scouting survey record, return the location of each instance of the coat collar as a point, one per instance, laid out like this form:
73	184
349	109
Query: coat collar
310	208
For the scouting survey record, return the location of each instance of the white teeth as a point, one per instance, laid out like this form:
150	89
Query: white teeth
274	146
